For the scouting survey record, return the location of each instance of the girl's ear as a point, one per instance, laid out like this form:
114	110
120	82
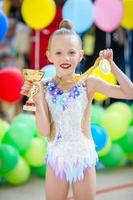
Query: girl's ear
81	55
48	56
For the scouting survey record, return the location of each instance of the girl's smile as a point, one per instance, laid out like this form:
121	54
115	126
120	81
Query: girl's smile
65	65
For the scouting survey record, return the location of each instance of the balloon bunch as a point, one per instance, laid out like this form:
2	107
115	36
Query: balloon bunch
39	14
100	13
22	149
117	121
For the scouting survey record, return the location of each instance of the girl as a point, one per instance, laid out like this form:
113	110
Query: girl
63	107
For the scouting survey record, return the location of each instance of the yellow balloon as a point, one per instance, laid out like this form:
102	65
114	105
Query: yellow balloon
127	21
6	7
109	78
106	149
38	14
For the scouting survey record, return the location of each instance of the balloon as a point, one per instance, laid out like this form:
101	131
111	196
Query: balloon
50	71
35	154
19	135
19	174
130	157
115	124
132	107
100	136
109	78
80	13
38	14
41	171
26	118
121	108
3	180
126	142
8	158
106	149
97	114
4	25
105	19
11	80
4	126
116	157
127	21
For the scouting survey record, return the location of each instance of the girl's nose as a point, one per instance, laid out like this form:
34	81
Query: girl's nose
66	57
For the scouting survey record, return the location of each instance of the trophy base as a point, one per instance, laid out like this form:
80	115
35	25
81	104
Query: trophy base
29	107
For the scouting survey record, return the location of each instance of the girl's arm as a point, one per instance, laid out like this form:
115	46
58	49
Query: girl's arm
122	91
42	115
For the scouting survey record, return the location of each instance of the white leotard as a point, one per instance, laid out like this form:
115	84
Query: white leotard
71	152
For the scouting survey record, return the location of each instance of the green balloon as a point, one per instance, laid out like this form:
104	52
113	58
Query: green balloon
115	157
122	108
4	126
35	154
2	180
126	142
40	171
131	107
131	123
25	118
19	174
8	158
19	136
97	114
130	157
115	124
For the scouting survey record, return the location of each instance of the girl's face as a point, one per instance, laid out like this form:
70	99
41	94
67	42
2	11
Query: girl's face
65	53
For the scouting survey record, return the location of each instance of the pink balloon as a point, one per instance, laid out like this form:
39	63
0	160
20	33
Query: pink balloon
108	14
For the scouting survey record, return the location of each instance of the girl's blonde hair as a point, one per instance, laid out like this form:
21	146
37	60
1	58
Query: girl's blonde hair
65	28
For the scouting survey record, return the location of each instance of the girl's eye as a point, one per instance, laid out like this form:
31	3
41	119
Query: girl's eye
72	52
58	53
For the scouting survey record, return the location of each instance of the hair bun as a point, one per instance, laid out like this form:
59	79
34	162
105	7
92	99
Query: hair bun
66	24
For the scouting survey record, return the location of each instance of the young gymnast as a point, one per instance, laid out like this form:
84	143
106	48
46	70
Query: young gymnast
63	110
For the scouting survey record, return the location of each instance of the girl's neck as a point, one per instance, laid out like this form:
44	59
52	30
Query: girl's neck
66	78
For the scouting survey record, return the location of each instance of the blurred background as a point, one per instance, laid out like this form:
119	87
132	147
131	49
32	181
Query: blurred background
25	27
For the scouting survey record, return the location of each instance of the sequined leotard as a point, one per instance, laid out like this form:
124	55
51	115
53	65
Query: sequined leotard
71	152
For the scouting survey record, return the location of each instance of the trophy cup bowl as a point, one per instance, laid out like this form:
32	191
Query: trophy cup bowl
32	76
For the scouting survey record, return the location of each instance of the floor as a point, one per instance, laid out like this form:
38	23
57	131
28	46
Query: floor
111	185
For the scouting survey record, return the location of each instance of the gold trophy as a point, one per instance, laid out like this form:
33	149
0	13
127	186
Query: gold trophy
32	76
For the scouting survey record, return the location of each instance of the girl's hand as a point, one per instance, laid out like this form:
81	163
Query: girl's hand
25	90
106	54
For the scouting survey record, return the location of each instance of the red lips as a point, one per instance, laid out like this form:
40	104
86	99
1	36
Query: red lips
65	65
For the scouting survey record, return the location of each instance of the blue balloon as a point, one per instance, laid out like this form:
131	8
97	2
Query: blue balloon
80	12
100	136
50	71
4	24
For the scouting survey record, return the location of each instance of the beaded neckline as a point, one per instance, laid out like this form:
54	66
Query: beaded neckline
53	86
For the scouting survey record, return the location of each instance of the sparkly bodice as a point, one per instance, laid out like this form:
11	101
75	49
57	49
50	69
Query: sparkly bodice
67	109
70	153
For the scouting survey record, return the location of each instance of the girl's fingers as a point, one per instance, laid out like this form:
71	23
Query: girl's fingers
25	93
106	53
